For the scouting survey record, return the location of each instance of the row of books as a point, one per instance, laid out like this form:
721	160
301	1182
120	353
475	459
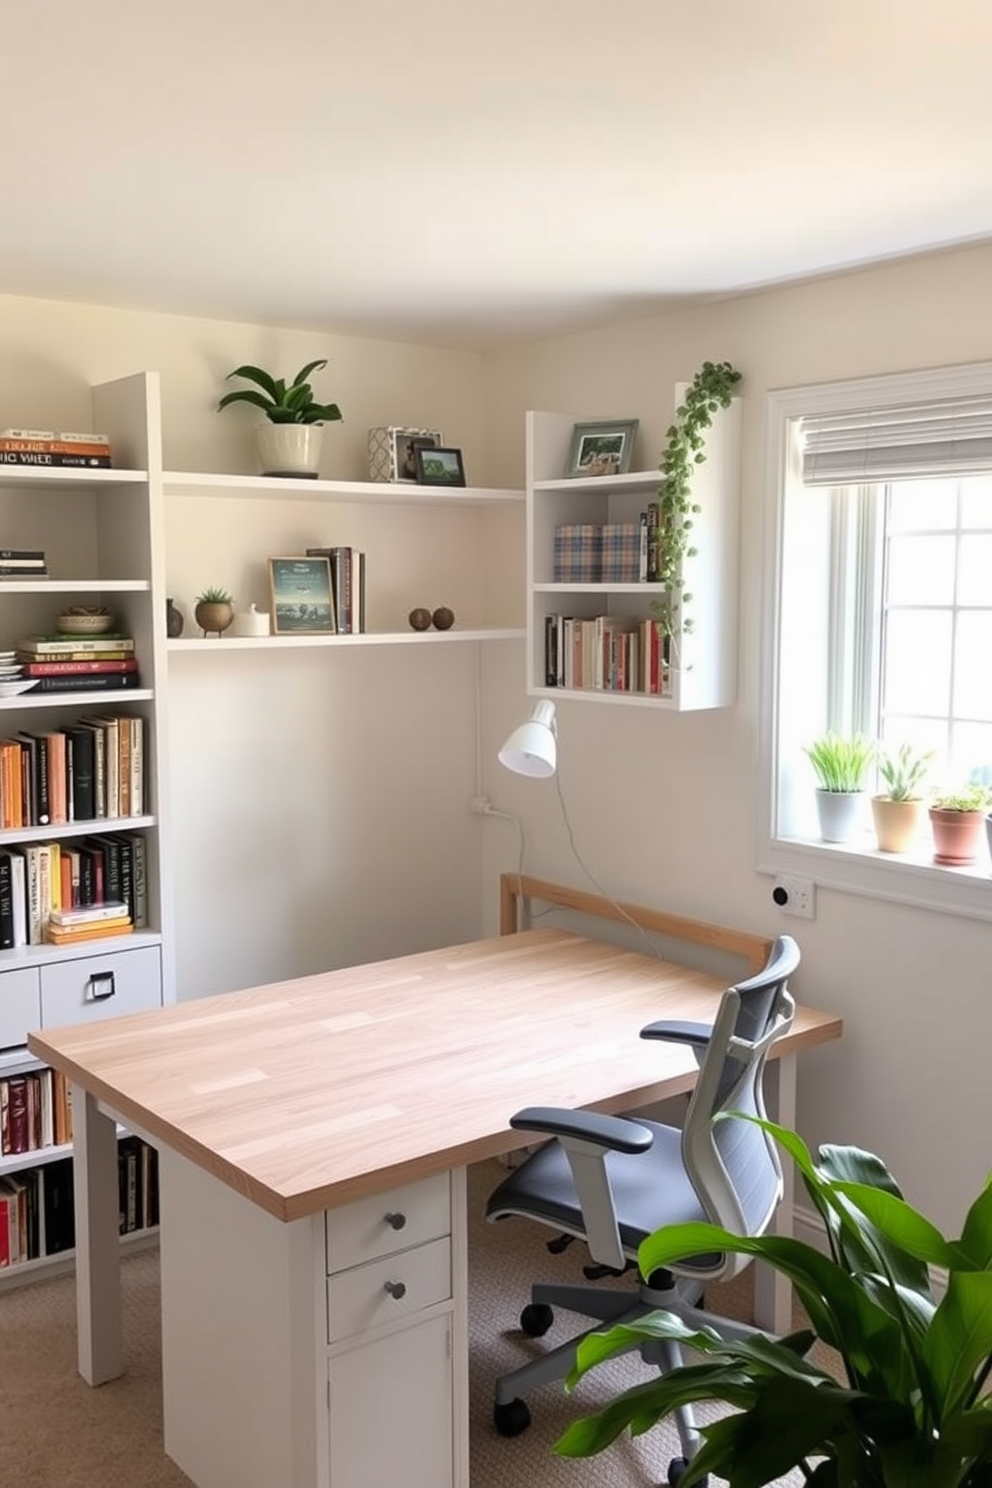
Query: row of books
347	567
609	552
60	893
36	1205
85	771
35	1111
61	663
66	449
606	653
23	563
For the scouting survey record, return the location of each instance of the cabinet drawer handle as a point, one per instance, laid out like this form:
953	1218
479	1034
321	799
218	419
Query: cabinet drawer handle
99	987
396	1221
396	1289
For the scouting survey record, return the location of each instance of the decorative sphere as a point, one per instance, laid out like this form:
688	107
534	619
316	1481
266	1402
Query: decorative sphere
420	619
443	618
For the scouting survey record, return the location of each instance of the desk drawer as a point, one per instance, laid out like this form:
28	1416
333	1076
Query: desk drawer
386	1222
101	987
20	1006
388	1290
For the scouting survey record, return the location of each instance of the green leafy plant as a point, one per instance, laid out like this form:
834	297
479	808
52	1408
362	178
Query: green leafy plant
214	596
841	762
712	388
973	797
282	402
904	770
910	1408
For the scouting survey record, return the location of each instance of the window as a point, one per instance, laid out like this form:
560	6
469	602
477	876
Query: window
879	611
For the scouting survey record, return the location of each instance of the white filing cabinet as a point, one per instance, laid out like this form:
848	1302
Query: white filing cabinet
329	1352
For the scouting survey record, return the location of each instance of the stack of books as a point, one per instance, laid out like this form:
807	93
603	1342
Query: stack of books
63	663
54	448
67	926
23	563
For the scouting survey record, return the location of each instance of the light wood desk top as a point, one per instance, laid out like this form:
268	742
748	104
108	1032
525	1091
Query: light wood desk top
306	1094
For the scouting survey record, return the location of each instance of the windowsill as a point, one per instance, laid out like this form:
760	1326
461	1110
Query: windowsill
904	878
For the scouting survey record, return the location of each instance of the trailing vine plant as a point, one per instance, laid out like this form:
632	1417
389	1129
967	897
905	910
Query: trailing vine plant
711	389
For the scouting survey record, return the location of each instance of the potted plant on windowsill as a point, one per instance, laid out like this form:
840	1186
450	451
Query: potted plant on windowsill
289	440
956	819
841	765
898	811
910	1408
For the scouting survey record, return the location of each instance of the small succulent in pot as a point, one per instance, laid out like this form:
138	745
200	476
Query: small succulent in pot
904	770
214	610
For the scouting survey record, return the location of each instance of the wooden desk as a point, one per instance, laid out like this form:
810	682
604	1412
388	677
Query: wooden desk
290	1119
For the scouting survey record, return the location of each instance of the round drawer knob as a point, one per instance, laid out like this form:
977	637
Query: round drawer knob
396	1289
396	1221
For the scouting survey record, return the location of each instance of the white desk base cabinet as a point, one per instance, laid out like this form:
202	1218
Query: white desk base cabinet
330	1352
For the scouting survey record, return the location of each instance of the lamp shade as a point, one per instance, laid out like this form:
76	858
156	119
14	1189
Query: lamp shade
532	748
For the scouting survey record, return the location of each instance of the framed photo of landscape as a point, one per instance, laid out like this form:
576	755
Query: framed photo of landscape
439	465
603	448
302	598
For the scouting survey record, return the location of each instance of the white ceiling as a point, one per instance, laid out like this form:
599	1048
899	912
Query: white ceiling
468	173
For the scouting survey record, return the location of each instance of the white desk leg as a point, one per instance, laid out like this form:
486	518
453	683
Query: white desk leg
772	1291
98	1280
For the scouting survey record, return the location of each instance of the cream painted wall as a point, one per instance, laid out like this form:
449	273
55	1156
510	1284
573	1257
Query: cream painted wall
662	807
320	798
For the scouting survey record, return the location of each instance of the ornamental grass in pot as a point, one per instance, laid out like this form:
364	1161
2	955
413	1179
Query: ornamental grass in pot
911	1407
841	763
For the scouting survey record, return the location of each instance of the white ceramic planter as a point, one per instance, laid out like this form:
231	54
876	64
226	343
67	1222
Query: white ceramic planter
290	449
841	814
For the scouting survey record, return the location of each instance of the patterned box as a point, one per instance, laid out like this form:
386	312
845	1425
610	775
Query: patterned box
621	560
578	553
388	447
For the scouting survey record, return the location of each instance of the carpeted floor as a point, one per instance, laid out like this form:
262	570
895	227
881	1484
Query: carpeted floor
57	1433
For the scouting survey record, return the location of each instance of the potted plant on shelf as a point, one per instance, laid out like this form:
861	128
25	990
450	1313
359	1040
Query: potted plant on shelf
841	764
956	819
214	610
289	440
898	811
910	1407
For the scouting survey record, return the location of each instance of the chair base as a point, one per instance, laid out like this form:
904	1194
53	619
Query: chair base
611	1305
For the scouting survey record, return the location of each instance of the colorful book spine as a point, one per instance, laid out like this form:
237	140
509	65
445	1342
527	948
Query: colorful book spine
63	647
56	461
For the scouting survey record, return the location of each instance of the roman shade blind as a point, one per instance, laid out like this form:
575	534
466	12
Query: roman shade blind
917	440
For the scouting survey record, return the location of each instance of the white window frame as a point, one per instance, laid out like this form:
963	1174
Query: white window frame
856	870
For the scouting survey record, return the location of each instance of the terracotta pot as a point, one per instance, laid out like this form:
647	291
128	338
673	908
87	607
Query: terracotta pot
957	835
897	823
213	617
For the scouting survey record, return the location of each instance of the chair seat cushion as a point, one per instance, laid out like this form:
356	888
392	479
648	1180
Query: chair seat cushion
650	1189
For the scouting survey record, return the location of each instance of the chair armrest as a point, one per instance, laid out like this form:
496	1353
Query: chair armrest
614	1132
675	1031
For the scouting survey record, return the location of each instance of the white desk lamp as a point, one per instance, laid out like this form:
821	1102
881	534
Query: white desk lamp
532	748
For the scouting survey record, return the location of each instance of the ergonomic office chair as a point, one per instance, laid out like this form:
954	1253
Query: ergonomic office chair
611	1181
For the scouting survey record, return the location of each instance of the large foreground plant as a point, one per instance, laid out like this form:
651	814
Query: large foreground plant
911	1409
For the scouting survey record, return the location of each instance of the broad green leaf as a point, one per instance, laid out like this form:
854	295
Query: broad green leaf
899	1223
788	1423
305	372
959	1339
976	1237
640	1407
259	376
245	395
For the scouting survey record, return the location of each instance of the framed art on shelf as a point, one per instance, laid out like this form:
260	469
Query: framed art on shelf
439	465
392	451
602	448
302	598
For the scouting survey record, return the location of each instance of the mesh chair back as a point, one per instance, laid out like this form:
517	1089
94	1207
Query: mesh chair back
733	1165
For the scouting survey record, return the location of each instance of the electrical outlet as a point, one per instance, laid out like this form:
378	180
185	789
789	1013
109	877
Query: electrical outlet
795	896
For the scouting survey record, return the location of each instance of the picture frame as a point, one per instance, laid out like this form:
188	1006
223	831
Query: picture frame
389	450
439	465
302	596
604	447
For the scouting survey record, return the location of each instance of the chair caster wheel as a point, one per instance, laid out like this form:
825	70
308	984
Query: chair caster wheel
536	1319
678	1467
512	1419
